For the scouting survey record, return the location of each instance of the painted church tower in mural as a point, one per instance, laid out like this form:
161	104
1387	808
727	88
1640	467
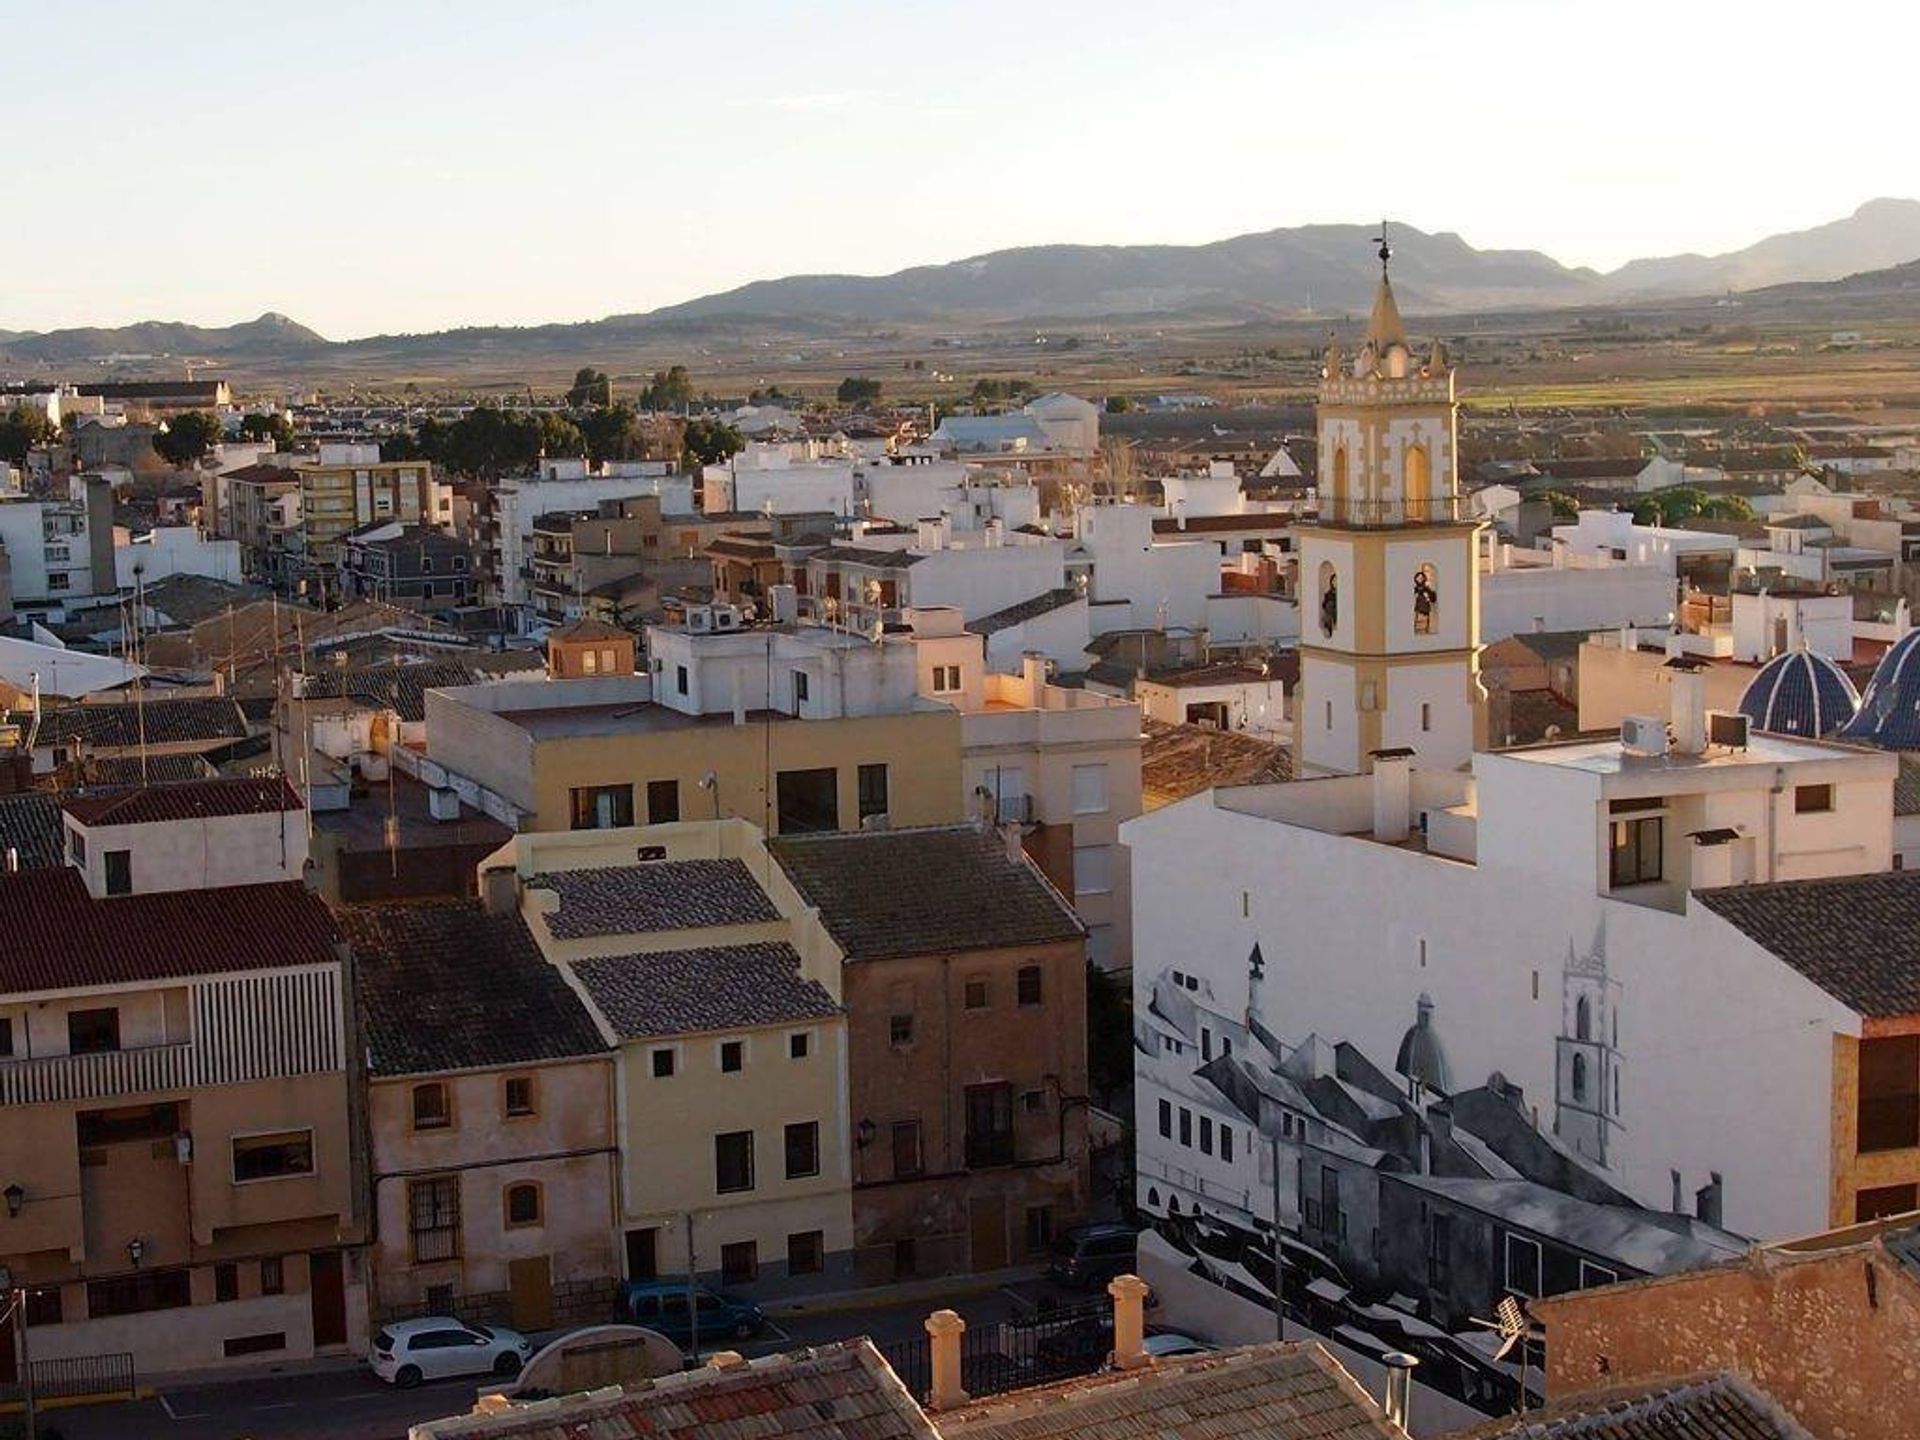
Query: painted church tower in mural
1389	576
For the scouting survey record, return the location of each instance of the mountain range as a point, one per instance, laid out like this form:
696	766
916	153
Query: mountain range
1288	273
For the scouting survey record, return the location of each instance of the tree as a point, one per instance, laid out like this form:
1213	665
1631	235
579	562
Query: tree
187	437
612	432
858	390
670	389
1564	507
275	427
488	442
21	430
1671	506
1109	1035
590	387
708	442
1119	404
1726	507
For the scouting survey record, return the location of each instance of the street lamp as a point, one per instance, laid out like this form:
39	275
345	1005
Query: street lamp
136	1249
16	1199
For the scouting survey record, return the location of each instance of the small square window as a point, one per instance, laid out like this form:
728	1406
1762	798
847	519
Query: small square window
273	1280
806	1253
1039	1228
431	1110
739	1263
519	1095
226	1282
900	1030
733	1055
976	994
798	1045
1812	799
662	1064
1034	1100
523	1204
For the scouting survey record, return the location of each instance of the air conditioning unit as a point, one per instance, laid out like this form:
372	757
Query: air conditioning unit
443	803
1728	728
1643	734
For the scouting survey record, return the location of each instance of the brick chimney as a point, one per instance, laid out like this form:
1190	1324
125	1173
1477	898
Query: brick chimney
1129	1294
944	1329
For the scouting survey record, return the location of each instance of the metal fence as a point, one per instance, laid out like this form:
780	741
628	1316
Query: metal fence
108	1375
1057	1344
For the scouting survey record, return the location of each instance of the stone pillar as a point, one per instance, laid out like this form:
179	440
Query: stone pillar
1129	1294
944	1329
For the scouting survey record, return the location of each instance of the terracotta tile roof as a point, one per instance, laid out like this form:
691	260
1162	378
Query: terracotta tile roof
447	986
170	769
831	1392
189	800
654	895
114	725
889	893
1181	760
59	936
30	826
688	992
1273	1392
1705	1407
1857	937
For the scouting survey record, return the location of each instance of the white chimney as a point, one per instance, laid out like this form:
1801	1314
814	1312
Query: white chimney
927	535
996	534
739	697
1398	1401
1392	794
784	602
1033	669
1687	704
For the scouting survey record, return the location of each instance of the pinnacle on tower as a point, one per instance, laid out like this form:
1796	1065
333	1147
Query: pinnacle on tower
1385	329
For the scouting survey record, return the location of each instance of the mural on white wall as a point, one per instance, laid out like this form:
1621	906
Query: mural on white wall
1412	1197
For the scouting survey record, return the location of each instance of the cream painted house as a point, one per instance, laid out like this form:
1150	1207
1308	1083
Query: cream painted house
698	962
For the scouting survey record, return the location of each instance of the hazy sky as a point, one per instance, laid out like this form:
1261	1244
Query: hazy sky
405	166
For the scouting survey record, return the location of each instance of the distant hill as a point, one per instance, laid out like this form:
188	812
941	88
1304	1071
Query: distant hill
270	337
1881	233
1894	280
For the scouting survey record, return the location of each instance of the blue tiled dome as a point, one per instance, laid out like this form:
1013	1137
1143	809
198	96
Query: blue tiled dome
1889	716
1800	693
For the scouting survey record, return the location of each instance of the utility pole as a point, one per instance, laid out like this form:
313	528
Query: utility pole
17	1310
693	1300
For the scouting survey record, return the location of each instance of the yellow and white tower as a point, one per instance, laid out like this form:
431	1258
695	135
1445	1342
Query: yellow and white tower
1389	576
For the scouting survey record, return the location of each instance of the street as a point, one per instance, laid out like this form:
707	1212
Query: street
347	1403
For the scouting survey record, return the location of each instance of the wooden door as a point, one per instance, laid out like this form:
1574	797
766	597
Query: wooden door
987	1217
9	1346
327	1297
530	1281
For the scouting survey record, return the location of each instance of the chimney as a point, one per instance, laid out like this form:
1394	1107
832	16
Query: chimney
1398	1400
1129	1294
1392	794
944	1329
1010	836
500	890
996	534
1033	669
1687	703
927	535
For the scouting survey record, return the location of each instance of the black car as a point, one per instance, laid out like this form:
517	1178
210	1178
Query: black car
1090	1255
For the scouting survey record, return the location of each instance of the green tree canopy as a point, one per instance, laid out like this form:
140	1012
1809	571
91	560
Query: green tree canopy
612	432
488	442
275	427
21	430
187	437
670	389
708	442
1119	404
857	390
1726	507
590	387
1565	508
1674	505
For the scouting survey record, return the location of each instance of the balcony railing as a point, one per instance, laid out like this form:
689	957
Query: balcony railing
1362	513
85	1077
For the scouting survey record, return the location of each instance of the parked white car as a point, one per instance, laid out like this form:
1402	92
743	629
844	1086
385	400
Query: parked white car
409	1351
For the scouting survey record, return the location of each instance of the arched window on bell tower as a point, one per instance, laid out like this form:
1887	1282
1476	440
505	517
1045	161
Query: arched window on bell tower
1328	589
1418	477
1340	493
1583	1019
1426	600
1579	1078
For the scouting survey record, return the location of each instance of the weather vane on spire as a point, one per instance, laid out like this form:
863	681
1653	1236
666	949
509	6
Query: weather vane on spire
1386	250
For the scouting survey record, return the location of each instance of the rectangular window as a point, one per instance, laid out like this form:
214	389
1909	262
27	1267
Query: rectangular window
808	801
431	1107
739	1263
1186	1127
974	994
906	1148
6	1035
873	791
1166	1119
800	688
273	1276
1635	851
1226	1143
900	1029
663	802
798	1045
119	872
607	662
226	1282
77	848
1440	1251
733	1162
663	1064
806	1253
1028	985
733	1056
1089	789
519	1095
433	1219
1592	1275
1039	1229
946	679
803	1150
602	807
1523	1266
989	1110
680	679
1812	799
1877	1204
1092	869
92	1032
1206	1135
1889	1105
44	1307
272	1157
138	1293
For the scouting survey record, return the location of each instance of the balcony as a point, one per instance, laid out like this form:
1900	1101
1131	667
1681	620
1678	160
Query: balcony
96	1076
993	1148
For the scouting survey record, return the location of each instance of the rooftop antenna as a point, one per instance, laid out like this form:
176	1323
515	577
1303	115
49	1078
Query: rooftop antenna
1510	1324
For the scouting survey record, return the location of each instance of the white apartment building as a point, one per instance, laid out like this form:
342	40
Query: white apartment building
58	551
1137	581
505	517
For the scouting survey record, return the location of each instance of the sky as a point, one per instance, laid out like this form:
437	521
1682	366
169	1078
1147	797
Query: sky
404	166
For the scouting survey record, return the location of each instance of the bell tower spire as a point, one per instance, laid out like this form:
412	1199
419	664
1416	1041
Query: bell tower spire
1389	575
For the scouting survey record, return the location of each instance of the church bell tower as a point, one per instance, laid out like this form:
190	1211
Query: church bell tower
1389	578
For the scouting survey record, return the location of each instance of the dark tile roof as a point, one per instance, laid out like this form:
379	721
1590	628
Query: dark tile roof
1041	604
446	986
193	800
114	725
887	893
30	827
169	769
189	599
1704	1407
1181	760
685	992
1274	1392
403	687
59	936
1857	937
844	1391
861	555
655	895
